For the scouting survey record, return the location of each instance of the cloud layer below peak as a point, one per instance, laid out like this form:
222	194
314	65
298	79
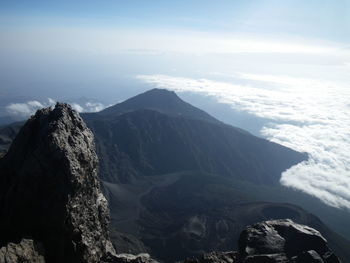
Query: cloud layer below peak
307	115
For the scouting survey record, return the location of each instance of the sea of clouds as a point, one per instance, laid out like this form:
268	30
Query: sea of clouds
307	115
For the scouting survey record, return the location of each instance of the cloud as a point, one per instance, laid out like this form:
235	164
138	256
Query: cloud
305	114
94	106
77	107
26	109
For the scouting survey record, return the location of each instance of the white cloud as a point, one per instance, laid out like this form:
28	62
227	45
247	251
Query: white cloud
77	107
51	101
94	106
307	115
26	109
23	110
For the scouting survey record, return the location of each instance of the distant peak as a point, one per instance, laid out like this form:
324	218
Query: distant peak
162	100
159	92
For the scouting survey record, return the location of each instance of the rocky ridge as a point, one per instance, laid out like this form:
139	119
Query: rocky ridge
50	189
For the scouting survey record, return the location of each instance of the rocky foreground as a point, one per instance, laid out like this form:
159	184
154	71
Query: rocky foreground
275	241
52	208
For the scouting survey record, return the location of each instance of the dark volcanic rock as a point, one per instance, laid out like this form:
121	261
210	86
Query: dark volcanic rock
282	238
27	251
49	188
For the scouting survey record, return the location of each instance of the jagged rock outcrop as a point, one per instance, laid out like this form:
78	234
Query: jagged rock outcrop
50	191
275	241
283	241
27	251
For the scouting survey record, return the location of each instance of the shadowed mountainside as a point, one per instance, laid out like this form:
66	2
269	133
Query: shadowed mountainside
157	133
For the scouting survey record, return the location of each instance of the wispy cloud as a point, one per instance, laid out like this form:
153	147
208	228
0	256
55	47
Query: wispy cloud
305	114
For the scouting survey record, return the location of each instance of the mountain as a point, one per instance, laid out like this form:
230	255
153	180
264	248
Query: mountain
158	133
52	208
163	168
180	183
160	100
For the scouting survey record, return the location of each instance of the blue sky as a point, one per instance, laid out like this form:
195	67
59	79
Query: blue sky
84	44
313	18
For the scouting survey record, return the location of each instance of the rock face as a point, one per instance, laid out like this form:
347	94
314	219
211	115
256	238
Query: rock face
27	251
50	191
276	241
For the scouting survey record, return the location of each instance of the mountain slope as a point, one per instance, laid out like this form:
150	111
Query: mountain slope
185	214
147	142
7	135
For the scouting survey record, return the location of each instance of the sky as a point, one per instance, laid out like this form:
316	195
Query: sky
284	64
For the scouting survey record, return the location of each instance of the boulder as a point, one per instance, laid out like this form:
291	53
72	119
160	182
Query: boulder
283	237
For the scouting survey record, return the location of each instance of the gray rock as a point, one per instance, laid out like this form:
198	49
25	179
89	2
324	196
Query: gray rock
49	188
27	251
283	237
261	238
